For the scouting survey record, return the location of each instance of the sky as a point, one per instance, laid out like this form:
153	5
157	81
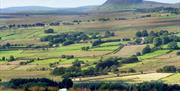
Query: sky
60	3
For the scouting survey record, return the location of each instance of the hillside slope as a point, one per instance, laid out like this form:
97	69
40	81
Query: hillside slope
119	5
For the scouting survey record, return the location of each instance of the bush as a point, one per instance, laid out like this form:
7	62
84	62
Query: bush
173	45
67	56
11	58
132	59
49	31
138	54
130	70
58	71
107	63
178	53
147	49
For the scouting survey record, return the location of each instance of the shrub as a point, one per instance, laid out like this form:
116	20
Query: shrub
131	70
178	53
49	31
11	58
173	45
147	49
132	59
167	69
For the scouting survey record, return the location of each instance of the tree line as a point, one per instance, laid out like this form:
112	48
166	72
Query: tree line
122	86
102	67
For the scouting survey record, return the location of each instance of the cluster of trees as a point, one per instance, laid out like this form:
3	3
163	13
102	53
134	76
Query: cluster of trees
101	68
5	46
104	19
99	41
121	86
159	38
26	84
10	59
67	56
66	38
109	34
74	37
147	49
86	48
77	21
39	24
26	25
26	62
168	69
143	33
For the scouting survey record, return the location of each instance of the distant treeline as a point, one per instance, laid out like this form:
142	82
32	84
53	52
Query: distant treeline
121	86
39	24
160	9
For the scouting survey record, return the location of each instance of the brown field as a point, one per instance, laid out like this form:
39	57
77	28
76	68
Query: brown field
129	50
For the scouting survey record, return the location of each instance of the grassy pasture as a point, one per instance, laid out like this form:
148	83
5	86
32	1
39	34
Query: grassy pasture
151	65
104	48
173	79
153	54
12	74
140	78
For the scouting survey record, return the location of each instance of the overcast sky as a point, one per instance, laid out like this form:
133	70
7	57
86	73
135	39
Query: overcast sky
60	3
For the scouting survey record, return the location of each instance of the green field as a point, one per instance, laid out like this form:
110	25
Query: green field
172	79
154	54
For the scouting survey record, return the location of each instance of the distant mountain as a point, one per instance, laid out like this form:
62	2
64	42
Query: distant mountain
46	10
108	6
26	9
118	5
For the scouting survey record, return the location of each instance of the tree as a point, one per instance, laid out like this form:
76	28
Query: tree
12	58
147	49
157	42
89	72
138	34
77	63
108	34
144	33
85	48
173	45
138	40
165	39
3	58
58	71
67	83
96	42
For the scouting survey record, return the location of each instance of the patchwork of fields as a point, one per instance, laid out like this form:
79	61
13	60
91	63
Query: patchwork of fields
43	59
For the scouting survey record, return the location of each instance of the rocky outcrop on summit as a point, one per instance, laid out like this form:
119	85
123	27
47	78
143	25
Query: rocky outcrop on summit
123	1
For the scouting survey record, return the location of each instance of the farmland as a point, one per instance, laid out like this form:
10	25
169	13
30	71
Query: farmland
35	58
